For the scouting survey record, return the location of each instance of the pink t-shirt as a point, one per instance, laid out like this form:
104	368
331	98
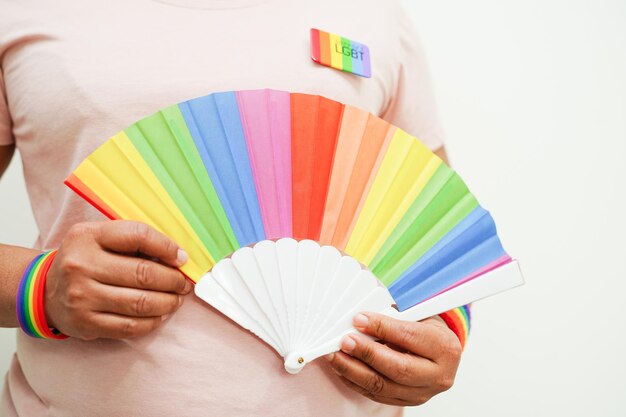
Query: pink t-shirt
75	72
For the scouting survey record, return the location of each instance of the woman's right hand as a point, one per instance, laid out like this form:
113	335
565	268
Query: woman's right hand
114	280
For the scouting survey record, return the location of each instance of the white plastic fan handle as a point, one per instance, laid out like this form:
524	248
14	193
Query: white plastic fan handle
501	279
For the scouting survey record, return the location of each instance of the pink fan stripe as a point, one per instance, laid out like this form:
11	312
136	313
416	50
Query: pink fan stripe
505	259
280	123
267	132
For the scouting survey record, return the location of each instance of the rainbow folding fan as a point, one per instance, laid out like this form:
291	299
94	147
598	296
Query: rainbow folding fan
297	212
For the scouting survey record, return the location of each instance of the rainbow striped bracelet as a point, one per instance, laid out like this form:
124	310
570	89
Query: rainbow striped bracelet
459	321
29	300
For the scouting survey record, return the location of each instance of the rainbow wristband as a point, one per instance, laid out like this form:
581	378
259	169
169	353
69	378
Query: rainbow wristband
29	301
458	320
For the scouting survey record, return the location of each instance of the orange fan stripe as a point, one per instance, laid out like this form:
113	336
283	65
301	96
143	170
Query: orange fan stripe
376	138
82	190
351	132
375	128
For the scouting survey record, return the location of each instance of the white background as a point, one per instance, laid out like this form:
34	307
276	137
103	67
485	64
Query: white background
533	97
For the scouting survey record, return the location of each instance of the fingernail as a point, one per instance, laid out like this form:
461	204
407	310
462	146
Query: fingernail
360	321
348	344
188	286
182	257
165	317
180	301
330	357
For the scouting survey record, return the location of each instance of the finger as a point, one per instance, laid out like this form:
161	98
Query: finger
125	271
133	302
134	237
420	338
383	400
372	382
394	347
114	326
403	368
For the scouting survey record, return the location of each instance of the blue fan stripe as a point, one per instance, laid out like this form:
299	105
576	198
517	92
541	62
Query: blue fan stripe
469	246
215	125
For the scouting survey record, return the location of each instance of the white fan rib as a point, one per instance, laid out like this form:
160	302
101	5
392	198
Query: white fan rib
287	252
246	263
326	266
308	253
215	294
267	262
345	271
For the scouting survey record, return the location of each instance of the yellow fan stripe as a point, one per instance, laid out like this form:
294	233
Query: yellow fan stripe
407	167
132	190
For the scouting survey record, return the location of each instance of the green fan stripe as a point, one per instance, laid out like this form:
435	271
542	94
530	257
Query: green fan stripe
443	203
194	195
438	180
462	209
185	141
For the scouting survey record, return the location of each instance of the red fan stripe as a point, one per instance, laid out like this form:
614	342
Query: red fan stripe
303	118
328	123
314	128
82	190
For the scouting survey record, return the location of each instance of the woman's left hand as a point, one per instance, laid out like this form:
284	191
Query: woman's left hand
411	362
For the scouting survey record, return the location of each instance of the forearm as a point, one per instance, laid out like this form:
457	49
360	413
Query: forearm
13	262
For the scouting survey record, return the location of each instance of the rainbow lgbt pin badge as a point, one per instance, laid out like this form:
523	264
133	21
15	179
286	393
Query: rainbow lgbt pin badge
340	53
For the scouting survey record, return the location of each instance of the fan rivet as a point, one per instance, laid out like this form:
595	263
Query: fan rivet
301	360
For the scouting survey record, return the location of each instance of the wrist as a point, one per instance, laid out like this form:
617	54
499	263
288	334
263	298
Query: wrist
30	299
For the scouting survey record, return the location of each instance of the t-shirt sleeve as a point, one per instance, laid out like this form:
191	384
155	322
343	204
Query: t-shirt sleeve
412	105
6	136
